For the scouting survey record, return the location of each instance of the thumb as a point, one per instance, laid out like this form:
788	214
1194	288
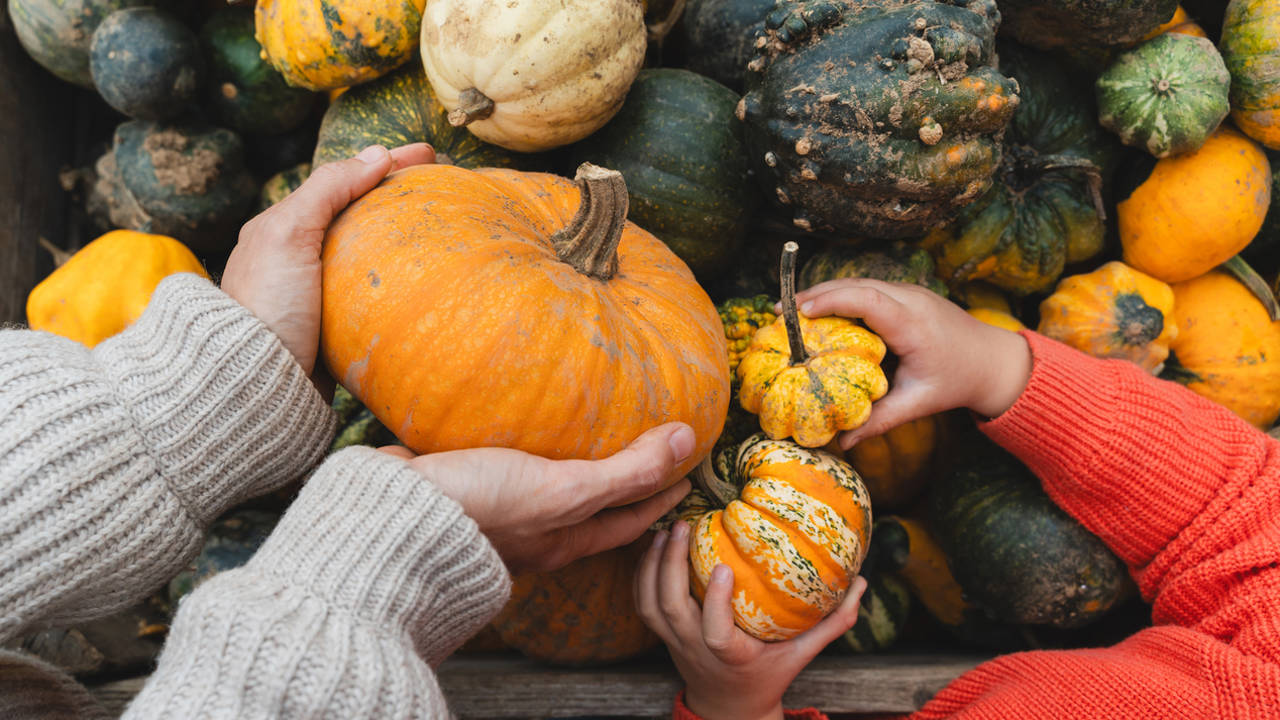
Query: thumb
333	186
645	466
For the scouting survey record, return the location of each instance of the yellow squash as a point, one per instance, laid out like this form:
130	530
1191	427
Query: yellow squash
105	286
795	534
998	318
1112	312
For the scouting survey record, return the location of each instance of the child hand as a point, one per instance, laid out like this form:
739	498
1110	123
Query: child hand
947	358
728	673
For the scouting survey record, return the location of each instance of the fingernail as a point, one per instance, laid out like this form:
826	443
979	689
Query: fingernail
722	574
848	441
679	530
659	539
682	442
860	585
805	308
371	154
777	308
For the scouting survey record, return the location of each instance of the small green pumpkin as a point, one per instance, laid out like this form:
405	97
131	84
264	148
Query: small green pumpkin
1251	48
244	92
279	186
882	613
898	262
678	145
1045	209
187	181
1016	554
57	33
398	109
145	63
1166	96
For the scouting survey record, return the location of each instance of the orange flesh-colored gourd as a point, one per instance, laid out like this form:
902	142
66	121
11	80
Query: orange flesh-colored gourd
998	319
1195	211
1227	348
448	313
795	537
894	466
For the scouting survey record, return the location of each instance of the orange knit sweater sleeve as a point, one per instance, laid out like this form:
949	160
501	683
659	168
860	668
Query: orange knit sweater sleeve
1188	496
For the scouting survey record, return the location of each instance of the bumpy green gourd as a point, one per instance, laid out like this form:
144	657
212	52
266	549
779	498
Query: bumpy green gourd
899	262
1049	24
880	118
1166	96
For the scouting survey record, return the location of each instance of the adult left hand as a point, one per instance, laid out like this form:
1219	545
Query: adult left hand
542	514
274	270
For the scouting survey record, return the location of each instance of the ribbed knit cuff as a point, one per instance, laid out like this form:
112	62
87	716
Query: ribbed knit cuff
1098	433
372	537
226	410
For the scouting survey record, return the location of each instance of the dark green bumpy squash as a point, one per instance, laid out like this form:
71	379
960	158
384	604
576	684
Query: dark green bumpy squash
880	118
279	186
1165	96
145	63
678	145
719	37
1016	554
1045	209
57	33
398	109
899	262
882	613
244	92
1047	24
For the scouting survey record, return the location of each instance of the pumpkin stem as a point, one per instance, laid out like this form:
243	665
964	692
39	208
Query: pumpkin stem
590	241
60	256
790	317
473	105
659	30
1240	270
1092	173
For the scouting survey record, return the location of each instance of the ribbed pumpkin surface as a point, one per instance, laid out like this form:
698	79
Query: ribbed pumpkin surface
1251	47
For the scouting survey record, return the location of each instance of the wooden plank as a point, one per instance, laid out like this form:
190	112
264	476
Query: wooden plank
504	687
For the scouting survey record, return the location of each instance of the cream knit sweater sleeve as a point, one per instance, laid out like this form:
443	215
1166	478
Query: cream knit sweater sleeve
114	460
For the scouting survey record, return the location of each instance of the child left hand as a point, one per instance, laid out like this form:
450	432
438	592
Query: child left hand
728	673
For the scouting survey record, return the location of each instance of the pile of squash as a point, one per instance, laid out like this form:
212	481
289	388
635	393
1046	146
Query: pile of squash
629	175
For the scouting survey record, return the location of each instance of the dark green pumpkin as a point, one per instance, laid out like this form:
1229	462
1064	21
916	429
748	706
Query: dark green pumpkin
1047	24
1046	208
719	37
57	33
1166	96
678	145
1018	556
145	63
231	541
876	119
898	262
399	109
184	181
243	91
882	613
279	186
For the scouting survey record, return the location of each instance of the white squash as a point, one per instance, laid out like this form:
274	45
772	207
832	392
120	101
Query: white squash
531	75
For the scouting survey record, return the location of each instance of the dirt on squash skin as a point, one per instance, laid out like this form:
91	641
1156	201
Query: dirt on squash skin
110	203
189	171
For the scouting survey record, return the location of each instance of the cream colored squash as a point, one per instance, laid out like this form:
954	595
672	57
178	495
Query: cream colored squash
532	75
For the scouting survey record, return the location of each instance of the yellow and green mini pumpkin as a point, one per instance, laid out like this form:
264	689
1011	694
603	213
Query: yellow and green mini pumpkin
1113	312
810	378
742	317
328	44
794	527
1251	48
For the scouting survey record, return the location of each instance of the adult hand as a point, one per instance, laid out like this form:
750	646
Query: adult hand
727	673
542	514
947	358
274	269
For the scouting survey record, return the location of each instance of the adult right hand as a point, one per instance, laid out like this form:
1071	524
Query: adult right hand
542	514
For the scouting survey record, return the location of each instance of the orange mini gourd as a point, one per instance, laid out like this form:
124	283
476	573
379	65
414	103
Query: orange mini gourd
1112	312
794	527
484	308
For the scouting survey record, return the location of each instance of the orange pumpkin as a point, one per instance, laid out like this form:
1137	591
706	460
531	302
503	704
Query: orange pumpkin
1180	24
895	466
1197	210
1228	348
794	528
1112	312
499	308
582	613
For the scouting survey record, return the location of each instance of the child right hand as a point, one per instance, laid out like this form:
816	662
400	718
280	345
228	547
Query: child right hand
947	358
